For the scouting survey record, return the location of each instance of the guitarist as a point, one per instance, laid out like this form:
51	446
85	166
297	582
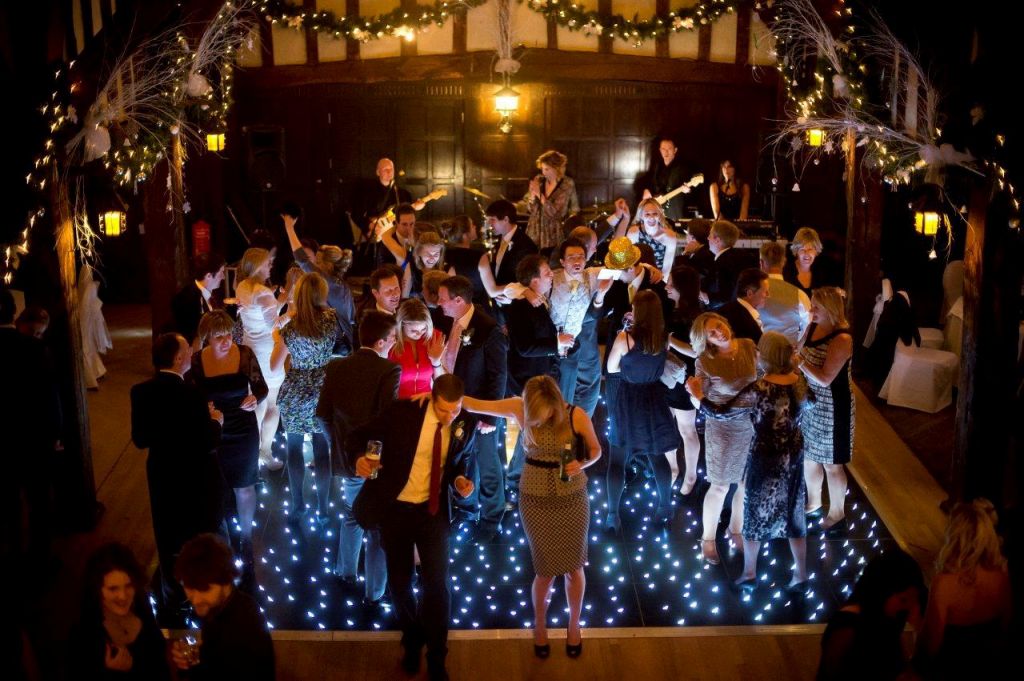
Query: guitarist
666	175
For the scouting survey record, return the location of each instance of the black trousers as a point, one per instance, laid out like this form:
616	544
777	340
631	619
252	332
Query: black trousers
407	526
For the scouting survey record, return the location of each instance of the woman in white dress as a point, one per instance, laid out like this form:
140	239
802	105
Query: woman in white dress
95	336
259	309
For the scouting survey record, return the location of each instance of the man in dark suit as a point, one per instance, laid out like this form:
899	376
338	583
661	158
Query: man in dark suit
385	292
534	342
742	313
420	461
476	352
30	419
500	216
356	389
729	262
181	430
199	297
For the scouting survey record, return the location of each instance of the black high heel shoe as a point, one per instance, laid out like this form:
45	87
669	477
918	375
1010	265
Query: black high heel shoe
543	652
574	651
837	530
747	586
613	525
816	514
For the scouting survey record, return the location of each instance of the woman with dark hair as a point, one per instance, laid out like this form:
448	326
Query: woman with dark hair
862	640
684	290
229	376
117	636
307	339
462	259
696	253
641	423
551	199
730	195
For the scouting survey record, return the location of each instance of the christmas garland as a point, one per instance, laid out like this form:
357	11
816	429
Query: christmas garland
399	23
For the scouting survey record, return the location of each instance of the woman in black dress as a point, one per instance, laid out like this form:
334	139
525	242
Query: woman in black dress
730	195
684	290
117	636
427	254
641	423
229	376
773	506
807	270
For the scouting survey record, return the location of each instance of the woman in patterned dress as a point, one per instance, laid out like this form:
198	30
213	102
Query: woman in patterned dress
828	426
774	481
551	199
725	366
555	513
307	339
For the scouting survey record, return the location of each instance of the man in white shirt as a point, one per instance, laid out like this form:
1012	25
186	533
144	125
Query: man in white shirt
420	461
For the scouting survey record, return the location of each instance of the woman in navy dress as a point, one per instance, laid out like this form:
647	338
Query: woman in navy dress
641	423
229	375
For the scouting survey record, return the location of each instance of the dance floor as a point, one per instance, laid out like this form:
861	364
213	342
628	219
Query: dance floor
648	577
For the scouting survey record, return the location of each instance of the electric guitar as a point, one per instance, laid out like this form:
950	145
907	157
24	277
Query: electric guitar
684	188
386	220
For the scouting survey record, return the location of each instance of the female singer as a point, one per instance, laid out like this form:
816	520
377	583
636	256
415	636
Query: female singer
730	196
551	199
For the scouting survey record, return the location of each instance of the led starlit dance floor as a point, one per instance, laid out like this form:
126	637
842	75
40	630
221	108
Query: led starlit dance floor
648	577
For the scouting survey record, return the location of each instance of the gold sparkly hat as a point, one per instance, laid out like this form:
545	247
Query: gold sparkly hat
622	254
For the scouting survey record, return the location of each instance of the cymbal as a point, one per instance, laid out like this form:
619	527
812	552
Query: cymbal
476	192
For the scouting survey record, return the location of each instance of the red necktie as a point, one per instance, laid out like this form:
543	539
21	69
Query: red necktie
435	474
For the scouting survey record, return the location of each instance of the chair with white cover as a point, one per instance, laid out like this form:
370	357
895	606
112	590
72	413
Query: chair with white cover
921	378
954	329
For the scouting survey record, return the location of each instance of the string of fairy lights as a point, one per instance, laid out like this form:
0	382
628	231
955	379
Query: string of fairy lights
403	24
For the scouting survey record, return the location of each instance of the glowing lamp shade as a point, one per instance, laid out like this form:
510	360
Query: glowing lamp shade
215	141
927	222
506	101
815	137
113	222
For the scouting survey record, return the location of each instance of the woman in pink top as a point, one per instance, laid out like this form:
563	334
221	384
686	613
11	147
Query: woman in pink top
417	350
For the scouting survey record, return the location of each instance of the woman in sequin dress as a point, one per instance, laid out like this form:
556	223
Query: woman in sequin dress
555	512
307	340
725	366
551	199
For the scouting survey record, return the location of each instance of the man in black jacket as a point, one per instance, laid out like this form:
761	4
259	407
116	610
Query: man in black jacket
477	352
742	313
181	430
199	296
356	389
236	643
729	262
426	448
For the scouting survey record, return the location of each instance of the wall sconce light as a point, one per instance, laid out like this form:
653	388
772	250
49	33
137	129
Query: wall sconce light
215	141
113	222
815	137
506	102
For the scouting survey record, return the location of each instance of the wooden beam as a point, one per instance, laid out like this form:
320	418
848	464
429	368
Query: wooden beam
743	16
351	44
661	42
704	43
267	42
604	42
312	42
459	30
864	251
409	48
86	7
552	34
543	65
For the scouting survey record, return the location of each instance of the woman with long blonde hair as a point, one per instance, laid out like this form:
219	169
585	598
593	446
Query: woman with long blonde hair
307	341
970	604
553	502
418	349
259	310
653	228
725	366
427	254
828	426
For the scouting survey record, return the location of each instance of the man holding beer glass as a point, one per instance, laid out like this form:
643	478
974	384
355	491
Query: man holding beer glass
424	451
